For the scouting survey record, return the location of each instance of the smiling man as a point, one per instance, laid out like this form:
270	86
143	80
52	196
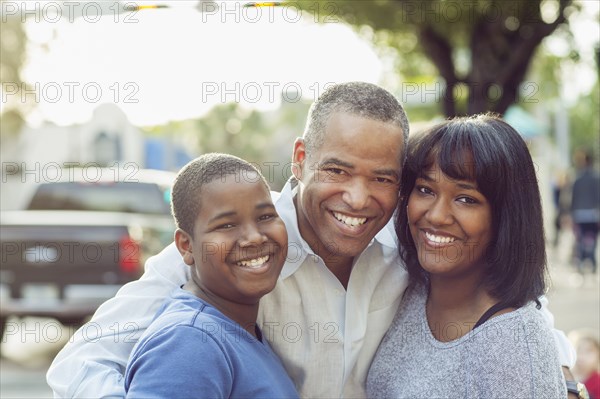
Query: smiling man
343	278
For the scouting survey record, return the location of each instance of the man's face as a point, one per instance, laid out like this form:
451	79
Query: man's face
348	188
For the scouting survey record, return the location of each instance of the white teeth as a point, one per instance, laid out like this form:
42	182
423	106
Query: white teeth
254	263
350	221
439	239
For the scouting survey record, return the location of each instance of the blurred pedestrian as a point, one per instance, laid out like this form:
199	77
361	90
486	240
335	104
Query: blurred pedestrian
585	210
587	366
559	199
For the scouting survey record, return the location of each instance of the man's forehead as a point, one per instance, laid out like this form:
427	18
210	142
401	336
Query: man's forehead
344	125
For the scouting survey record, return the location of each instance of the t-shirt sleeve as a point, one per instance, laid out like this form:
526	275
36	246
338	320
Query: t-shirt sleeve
182	361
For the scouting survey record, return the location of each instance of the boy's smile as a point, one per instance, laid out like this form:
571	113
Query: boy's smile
239	243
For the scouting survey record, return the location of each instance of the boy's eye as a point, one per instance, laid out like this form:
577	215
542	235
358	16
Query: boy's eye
225	226
266	217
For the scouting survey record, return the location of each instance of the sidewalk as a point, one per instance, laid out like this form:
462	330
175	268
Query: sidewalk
574	299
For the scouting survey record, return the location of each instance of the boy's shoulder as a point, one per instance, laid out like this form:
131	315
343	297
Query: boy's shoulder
183	309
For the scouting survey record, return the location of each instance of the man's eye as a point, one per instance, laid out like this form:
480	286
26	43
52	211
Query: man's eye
334	171
384	180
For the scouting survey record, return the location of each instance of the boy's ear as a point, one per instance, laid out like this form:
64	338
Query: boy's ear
183	242
298	158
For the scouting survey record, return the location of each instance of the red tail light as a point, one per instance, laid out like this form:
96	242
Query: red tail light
129	255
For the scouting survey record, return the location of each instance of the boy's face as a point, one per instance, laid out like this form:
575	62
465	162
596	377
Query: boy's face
239	244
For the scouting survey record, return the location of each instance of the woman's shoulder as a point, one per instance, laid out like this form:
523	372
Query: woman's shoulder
517	349
520	338
521	327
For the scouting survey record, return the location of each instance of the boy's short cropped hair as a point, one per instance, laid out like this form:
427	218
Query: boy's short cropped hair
186	195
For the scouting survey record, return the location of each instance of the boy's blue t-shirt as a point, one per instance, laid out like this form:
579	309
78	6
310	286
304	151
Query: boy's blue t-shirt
193	350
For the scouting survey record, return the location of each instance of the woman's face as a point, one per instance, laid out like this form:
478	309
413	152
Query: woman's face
450	222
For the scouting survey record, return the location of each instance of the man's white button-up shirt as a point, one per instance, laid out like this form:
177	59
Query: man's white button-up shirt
326	335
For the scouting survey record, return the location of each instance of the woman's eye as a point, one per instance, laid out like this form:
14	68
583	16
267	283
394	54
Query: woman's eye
423	190
467	200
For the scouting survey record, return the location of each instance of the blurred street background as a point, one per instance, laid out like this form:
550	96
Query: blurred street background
99	93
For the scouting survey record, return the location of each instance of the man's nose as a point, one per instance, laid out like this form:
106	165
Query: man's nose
356	194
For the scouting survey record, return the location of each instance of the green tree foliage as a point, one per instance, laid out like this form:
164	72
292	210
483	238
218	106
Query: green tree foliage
12	57
485	46
263	138
585	123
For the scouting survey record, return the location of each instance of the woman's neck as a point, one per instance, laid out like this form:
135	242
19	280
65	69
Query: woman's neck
455	304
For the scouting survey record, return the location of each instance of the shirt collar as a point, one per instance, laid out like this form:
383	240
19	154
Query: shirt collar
298	248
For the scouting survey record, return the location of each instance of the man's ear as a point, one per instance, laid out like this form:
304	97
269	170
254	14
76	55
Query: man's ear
298	158
183	242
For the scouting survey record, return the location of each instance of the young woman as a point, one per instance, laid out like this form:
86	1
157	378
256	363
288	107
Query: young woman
470	227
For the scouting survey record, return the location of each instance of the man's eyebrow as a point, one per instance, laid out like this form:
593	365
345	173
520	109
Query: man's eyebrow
339	162
387	172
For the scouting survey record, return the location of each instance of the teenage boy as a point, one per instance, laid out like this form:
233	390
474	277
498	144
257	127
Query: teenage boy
204	339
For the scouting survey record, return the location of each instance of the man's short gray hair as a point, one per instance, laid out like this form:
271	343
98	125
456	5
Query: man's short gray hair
357	98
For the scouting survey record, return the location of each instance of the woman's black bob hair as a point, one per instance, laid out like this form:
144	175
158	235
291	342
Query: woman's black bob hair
488	151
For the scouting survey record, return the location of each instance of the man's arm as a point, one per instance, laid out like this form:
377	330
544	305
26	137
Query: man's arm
566	351
93	362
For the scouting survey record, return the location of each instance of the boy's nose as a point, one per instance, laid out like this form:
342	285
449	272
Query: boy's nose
251	235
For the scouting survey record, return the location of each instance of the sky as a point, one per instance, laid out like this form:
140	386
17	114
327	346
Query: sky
177	63
161	65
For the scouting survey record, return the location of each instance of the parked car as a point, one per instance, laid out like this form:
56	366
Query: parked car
79	241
